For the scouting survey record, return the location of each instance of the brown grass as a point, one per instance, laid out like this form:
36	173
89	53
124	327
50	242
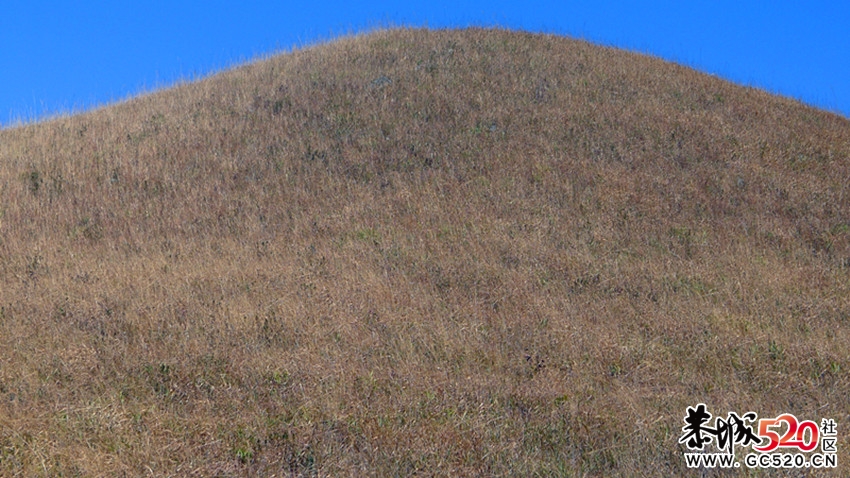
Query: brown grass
471	252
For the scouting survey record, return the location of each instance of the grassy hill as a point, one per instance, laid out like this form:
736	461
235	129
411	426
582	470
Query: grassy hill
473	252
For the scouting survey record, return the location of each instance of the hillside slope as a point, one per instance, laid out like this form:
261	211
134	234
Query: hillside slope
473	252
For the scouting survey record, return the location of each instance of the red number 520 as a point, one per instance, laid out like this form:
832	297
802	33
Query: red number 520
793	438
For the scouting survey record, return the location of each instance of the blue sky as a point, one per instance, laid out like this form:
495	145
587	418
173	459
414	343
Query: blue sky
59	57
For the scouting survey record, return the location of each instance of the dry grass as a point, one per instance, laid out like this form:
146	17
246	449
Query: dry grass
419	252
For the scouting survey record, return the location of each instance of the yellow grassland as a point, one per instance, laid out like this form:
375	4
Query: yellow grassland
457	253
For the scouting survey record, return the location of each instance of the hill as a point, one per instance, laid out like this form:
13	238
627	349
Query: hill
473	252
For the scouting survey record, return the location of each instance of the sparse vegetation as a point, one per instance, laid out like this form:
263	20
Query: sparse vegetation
456	253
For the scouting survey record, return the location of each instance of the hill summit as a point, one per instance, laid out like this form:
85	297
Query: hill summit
474	252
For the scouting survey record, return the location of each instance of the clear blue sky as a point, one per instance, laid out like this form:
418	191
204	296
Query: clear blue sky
66	56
